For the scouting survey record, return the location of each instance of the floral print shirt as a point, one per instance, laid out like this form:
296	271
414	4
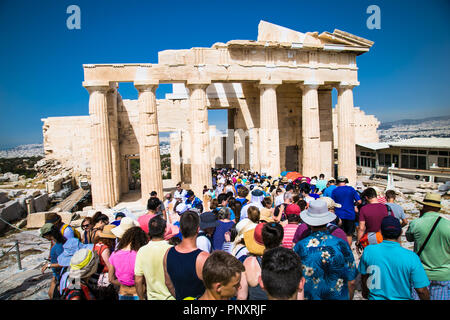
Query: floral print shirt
328	264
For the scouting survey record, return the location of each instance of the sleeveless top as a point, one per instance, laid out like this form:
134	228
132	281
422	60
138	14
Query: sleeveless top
257	293
181	269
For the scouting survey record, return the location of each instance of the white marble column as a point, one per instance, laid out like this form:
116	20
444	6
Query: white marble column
326	132
150	160
269	142
200	147
346	133
114	139
102	181
175	158
310	130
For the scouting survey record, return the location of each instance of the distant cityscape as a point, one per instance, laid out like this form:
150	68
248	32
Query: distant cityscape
437	127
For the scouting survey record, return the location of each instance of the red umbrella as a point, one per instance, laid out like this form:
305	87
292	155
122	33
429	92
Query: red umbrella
293	175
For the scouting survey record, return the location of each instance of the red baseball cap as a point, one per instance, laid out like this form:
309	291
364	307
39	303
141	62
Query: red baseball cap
293	209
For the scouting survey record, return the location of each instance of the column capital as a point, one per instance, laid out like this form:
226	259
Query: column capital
347	85
96	85
146	85
265	83
200	83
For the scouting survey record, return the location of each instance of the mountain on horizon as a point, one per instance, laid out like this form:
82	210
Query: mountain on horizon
390	124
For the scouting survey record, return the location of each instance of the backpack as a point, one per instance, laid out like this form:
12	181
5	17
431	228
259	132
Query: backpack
76	233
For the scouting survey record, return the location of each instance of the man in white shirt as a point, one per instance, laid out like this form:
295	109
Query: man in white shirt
256	198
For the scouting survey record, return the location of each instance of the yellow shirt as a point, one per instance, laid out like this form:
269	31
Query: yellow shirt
149	263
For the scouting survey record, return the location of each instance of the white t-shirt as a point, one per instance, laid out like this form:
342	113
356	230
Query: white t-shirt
204	244
245	208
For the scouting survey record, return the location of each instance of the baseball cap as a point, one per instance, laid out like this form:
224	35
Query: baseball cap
390	227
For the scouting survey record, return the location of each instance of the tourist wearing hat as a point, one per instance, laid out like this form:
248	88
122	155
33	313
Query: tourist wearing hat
104	246
293	218
257	240
83	265
208	224
348	198
435	254
239	250
125	224
397	269
321	250
118	218
51	233
257	197
122	262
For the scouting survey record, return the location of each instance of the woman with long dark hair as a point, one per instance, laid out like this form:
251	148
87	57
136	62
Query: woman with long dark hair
122	262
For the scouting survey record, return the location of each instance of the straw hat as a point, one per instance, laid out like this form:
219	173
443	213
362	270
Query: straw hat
317	214
253	240
265	215
83	264
107	232
330	203
432	200
125	224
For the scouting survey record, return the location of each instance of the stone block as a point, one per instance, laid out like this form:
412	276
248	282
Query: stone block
11	212
53	186
41	203
4	197
37	220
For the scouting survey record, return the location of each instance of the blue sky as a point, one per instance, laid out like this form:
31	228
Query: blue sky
405	75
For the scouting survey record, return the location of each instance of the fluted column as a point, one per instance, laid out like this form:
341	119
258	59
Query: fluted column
200	150
346	133
175	158
310	130
326	132
253	145
150	160
269	142
114	139
102	181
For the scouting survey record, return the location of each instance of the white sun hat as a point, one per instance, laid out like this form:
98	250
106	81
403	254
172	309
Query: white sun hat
317	214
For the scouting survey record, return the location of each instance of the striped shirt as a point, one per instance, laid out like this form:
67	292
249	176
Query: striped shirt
289	232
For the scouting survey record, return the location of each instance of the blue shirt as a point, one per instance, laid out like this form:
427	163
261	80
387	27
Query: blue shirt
328	264
393	271
55	251
321	184
328	191
345	196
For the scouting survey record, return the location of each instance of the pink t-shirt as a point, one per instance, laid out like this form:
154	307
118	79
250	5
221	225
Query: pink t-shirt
144	220
289	231
123	262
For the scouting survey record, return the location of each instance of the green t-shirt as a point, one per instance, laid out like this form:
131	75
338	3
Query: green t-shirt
436	255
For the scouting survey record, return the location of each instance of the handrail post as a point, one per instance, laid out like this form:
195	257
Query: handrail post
18	255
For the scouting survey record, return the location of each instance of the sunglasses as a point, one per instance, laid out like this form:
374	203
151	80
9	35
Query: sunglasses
84	226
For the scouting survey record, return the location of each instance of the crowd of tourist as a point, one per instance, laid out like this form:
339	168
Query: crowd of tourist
255	237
